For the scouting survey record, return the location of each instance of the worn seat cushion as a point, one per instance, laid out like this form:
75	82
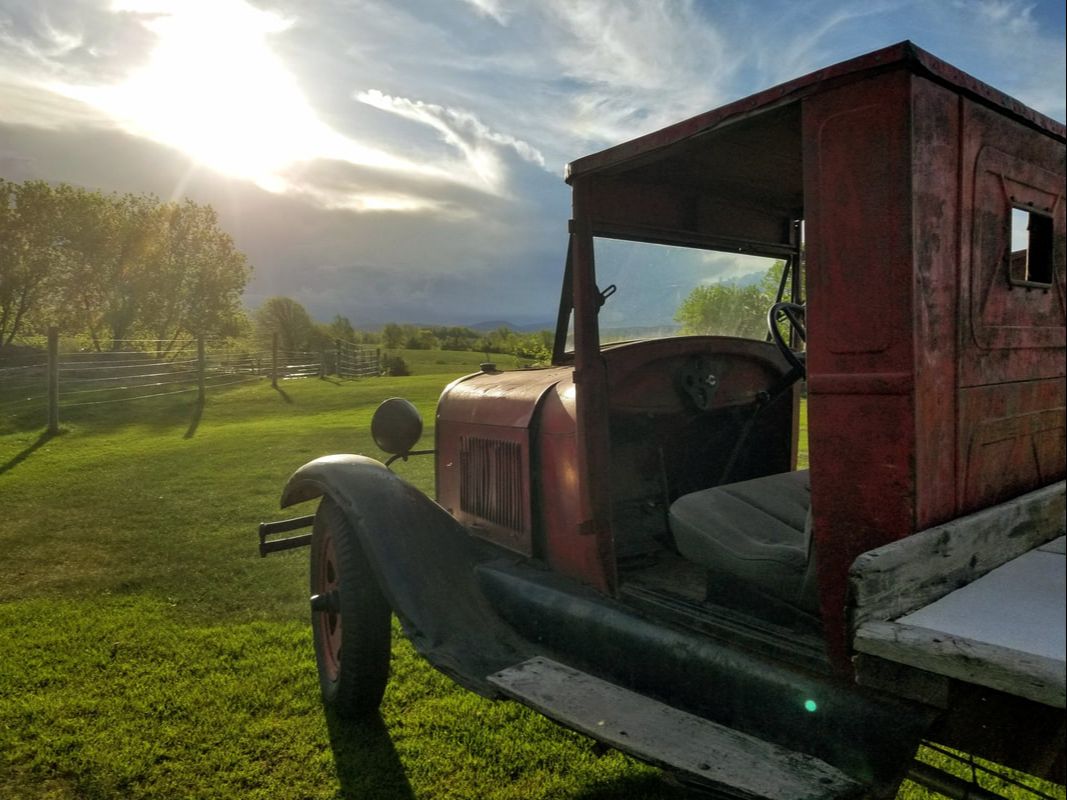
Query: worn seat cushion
755	532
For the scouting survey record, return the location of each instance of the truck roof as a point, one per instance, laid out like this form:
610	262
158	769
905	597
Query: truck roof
903	55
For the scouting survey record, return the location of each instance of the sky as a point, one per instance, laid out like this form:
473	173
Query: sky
402	160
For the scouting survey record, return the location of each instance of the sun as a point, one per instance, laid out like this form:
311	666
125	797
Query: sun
214	89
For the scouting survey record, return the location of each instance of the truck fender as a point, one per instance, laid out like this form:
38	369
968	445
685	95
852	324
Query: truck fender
424	561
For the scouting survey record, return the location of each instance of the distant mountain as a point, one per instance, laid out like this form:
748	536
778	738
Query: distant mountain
529	327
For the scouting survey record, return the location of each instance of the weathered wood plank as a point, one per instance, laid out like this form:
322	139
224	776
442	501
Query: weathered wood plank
889	581
736	764
1023	674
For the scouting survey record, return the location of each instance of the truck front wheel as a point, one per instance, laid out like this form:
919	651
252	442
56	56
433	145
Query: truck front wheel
350	617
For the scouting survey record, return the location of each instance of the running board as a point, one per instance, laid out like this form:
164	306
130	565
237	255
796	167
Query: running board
729	763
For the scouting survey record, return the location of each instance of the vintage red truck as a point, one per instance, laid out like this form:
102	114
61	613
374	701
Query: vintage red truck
622	540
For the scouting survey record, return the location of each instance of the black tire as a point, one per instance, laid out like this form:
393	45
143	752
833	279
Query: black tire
350	619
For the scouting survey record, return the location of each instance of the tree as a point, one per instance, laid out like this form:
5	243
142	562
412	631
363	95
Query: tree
341	329
111	265
107	272
287	318
30	252
724	309
535	346
125	267
89	281
727	309
392	336
422	339
457	338
199	276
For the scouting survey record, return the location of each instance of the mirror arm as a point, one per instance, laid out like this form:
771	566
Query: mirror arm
404	456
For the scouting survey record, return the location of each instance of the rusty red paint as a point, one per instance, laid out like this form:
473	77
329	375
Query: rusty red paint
486	417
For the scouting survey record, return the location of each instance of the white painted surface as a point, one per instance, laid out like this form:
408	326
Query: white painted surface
1019	605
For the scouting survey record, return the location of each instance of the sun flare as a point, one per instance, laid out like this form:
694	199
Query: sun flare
214	89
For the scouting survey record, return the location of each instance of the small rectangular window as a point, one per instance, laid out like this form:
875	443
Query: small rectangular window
1030	258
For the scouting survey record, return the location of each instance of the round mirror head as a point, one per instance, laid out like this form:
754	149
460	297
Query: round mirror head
396	426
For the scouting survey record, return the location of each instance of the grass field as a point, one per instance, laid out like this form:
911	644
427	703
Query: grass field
454	362
148	652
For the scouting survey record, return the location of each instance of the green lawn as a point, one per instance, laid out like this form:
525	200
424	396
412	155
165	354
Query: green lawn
450	363
148	652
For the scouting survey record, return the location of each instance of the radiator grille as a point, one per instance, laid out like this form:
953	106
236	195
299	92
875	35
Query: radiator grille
491	481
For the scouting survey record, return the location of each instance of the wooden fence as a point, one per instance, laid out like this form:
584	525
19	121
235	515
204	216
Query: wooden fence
59	379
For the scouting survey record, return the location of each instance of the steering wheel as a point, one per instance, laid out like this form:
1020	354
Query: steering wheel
793	313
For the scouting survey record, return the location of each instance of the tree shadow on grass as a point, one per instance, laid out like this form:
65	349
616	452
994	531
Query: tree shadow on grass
281	391
194	421
367	763
38	443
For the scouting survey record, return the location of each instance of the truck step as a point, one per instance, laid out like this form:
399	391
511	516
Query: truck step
728	763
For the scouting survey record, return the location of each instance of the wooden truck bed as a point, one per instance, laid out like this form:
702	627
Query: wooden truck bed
980	599
1005	630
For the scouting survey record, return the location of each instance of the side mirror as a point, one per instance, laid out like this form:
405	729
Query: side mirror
396	426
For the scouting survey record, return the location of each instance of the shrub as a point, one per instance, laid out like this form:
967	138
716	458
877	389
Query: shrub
395	365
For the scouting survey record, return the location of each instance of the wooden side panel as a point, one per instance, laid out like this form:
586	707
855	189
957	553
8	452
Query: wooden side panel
902	576
860	332
1011	440
628	205
1011	397
935	207
1034	677
1009	332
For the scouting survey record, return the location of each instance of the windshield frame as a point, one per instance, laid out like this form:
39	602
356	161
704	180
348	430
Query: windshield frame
570	310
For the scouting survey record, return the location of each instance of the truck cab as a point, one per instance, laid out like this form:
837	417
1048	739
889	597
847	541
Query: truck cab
873	252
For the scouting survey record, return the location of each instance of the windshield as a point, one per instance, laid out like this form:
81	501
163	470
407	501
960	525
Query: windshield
662	291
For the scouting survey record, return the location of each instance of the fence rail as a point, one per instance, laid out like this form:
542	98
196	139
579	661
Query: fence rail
65	380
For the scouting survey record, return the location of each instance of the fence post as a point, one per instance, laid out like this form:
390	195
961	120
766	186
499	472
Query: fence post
274	360
378	361
337	358
201	366
53	381
322	364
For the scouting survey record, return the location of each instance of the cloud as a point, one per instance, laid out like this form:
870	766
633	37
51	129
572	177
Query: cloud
733	267
72	40
1016	17
213	87
36	105
637	46
832	31
631	67
412	149
1010	44
337	184
476	142
492	9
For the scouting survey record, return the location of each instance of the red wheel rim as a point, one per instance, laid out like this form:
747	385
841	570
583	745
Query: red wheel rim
328	622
